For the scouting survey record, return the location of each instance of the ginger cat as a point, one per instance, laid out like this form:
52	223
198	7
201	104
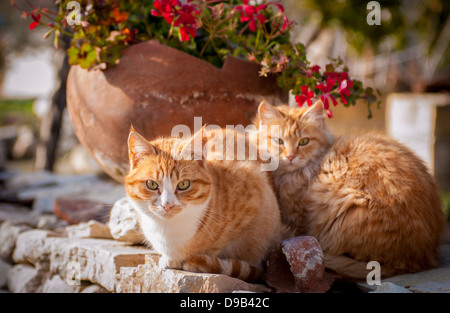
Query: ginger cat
199	213
365	198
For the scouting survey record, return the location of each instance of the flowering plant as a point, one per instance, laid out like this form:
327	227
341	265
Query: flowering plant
208	29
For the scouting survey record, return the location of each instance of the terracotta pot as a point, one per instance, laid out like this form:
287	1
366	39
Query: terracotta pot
155	87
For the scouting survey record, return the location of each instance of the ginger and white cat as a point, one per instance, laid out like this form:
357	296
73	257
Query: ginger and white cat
202	214
365	198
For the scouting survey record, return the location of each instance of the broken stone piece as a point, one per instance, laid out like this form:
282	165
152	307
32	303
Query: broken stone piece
26	278
8	236
123	222
149	277
99	260
91	229
297	266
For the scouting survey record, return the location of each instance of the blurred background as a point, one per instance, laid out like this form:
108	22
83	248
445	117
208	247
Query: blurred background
406	57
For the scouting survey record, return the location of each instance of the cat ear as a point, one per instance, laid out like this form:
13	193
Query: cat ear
193	149
138	147
267	112
316	113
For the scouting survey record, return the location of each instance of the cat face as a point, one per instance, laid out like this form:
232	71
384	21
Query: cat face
302	135
160	185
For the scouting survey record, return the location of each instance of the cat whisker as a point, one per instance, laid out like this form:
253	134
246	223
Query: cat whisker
207	227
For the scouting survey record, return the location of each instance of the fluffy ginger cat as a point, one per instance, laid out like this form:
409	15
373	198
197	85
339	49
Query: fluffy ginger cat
365	198
202	214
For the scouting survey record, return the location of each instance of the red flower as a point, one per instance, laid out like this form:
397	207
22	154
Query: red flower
187	20
182	16
280	7
326	93
305	96
313	69
343	89
185	31
186	15
250	13
165	8
35	22
340	76
286	22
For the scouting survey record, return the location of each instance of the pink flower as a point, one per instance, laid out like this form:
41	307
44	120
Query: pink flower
305	96
326	93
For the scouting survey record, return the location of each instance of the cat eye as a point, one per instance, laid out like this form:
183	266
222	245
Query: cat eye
278	140
303	142
152	185
183	185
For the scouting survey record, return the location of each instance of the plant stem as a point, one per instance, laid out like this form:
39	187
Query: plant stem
258	34
204	47
65	32
214	47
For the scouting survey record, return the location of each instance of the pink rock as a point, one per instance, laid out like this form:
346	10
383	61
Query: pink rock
74	210
297	266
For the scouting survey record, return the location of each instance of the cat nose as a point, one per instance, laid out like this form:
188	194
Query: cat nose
290	157
167	207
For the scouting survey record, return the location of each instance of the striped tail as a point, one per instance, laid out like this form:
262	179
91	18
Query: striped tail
204	263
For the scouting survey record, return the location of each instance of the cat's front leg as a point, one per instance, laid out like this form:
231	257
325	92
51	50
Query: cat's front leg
165	262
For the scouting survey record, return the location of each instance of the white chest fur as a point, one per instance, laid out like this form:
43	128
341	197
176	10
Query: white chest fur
169	236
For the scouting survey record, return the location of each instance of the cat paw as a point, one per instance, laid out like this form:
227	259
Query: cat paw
165	263
200	263
190	267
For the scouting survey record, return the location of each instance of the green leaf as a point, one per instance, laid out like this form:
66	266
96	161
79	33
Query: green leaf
72	53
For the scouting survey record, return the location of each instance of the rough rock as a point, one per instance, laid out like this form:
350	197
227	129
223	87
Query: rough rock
113	265
123	222
297	266
94	288
50	221
4	270
150	278
8	236
99	259
57	285
91	229
26	278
